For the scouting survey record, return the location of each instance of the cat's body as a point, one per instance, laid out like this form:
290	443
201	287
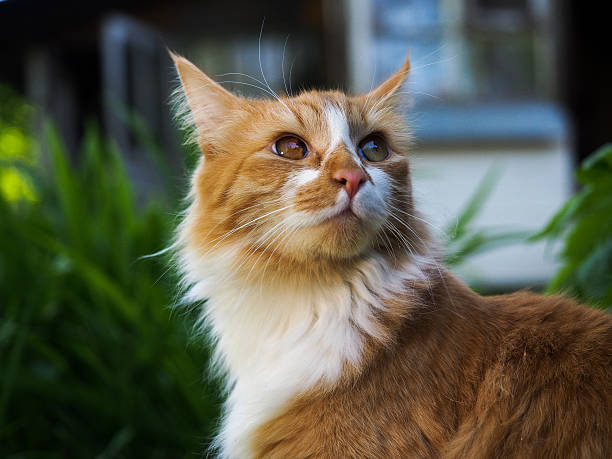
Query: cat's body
340	333
516	376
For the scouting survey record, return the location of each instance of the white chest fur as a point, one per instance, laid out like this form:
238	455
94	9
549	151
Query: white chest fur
275	342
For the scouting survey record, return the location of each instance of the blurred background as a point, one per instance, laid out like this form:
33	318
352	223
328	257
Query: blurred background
510	100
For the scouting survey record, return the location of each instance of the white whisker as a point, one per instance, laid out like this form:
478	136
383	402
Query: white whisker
274	94
283	65
249	84
238	228
433	258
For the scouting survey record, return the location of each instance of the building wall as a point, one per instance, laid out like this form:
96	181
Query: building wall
534	181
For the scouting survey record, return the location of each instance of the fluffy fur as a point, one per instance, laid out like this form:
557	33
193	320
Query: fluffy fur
340	333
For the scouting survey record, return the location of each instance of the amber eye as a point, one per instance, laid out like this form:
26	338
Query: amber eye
290	147
373	148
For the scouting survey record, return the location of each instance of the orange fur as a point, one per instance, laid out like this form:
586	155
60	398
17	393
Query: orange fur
513	376
427	368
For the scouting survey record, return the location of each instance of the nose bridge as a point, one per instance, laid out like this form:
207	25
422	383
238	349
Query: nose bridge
340	158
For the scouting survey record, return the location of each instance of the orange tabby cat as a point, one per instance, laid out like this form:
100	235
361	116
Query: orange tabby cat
340	333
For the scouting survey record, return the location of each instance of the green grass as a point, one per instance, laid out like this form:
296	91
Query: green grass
93	361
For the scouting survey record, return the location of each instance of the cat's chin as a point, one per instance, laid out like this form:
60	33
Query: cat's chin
341	237
343	220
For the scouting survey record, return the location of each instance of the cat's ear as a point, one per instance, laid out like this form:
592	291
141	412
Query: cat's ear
391	87
209	103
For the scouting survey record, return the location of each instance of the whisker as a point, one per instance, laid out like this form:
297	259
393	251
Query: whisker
241	74
432	258
401	237
251	85
388	245
283	64
262	240
433	96
281	237
431	53
238	228
441	61
290	70
284	242
239	211
274	94
408	246
416	217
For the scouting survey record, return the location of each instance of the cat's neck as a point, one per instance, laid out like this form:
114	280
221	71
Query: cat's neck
251	314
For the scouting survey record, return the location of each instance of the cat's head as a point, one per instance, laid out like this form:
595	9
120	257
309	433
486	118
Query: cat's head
319	178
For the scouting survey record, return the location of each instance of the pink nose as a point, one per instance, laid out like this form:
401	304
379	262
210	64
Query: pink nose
352	179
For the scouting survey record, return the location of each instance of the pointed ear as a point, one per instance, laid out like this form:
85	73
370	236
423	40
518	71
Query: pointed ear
391	86
209	103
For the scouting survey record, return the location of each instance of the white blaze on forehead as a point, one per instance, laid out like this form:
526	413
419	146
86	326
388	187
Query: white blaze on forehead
338	127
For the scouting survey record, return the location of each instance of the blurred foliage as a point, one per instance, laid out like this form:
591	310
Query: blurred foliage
15	146
464	239
93	362
584	224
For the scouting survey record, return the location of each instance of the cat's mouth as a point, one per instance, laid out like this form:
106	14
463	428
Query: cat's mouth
338	231
344	214
344	211
347	213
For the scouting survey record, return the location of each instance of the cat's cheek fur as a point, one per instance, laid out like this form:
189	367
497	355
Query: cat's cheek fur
370	203
303	177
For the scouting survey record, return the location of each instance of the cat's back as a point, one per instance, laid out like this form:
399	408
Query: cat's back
548	390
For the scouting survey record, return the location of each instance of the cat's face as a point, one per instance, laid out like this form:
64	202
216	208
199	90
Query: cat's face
317	177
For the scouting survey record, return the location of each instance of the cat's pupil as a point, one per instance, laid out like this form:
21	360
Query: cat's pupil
291	147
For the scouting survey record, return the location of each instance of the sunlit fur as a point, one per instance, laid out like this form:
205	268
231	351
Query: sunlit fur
314	301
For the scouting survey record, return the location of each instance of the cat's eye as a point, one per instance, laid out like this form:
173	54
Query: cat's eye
290	147
373	148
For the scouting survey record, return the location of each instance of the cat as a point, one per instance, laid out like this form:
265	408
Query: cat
339	331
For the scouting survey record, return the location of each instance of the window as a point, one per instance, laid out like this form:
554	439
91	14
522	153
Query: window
467	50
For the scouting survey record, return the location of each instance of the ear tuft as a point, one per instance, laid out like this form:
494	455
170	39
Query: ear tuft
390	87
209	104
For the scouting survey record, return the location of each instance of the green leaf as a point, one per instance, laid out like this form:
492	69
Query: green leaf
558	223
68	190
594	275
597	167
117	443
480	241
587	233
474	204
585	224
